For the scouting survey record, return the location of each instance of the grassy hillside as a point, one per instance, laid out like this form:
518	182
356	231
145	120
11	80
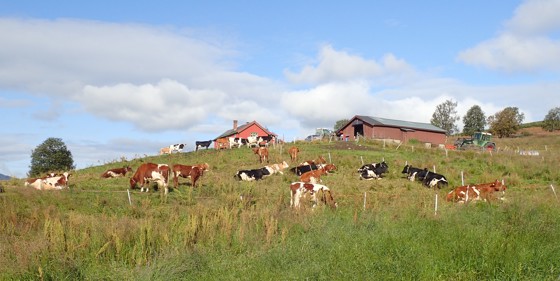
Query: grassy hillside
383	229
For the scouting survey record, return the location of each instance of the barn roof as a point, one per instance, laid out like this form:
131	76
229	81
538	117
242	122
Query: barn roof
378	121
242	128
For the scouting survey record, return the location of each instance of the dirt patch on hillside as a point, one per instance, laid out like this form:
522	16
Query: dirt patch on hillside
349	145
538	131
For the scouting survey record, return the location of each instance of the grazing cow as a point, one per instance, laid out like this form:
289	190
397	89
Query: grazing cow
414	173
150	171
252	175
293	151
262	152
476	192
186	171
201	144
116	172
299	189
435	180
373	170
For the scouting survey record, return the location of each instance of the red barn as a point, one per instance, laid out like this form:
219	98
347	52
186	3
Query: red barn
382	128
249	129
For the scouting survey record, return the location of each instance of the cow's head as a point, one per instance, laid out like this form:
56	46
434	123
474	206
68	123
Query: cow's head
132	183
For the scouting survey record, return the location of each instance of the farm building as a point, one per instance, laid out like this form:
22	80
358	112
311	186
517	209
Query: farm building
382	128
249	129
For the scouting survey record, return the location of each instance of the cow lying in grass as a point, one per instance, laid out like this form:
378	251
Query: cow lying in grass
373	170
476	192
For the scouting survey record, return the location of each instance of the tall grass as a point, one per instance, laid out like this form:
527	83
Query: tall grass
224	229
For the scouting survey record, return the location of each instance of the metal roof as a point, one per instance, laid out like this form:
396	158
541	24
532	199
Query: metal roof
378	121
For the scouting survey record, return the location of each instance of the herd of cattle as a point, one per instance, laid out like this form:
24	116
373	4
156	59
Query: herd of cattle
309	177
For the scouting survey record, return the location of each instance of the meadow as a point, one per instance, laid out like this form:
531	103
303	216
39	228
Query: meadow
229	230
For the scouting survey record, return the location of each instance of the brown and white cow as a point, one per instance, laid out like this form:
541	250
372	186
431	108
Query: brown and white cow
483	192
187	171
150	172
51	182
293	151
299	189
277	168
116	172
262	152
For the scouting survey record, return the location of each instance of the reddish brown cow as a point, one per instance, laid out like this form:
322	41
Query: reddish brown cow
313	176
151	171
186	171
475	192
293	151
50	182
299	189
262	152
116	172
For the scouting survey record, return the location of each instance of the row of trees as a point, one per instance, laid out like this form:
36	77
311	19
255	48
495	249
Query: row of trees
503	123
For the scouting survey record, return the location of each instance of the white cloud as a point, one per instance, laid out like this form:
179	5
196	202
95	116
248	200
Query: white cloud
526	45
333	65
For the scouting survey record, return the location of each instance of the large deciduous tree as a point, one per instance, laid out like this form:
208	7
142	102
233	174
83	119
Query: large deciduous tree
551	121
445	117
474	120
506	122
51	155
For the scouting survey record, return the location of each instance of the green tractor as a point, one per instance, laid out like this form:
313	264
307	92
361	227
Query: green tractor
479	140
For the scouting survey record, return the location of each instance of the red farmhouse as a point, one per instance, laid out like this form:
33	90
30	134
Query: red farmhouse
249	129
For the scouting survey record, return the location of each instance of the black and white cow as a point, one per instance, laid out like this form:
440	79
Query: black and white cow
373	170
201	144
435	180
176	147
414	173
301	169
252	175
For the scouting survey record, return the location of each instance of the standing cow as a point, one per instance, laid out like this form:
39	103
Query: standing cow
151	172
293	151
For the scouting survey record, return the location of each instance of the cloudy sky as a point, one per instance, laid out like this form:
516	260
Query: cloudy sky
119	79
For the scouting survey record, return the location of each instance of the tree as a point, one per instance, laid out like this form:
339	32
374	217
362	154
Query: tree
51	155
551	121
474	120
340	123
445	117
506	122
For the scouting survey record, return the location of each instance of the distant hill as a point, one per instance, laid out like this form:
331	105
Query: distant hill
4	177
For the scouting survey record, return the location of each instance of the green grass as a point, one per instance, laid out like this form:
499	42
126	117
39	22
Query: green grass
91	232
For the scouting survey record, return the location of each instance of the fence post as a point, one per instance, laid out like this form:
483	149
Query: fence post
330	160
361	157
365	195
435	169
462	179
435	209
129	199
554	191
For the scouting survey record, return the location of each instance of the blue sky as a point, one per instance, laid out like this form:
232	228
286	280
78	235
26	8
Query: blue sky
117	79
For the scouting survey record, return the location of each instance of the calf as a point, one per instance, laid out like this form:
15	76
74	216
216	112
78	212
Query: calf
262	152
299	189
164	150
201	144
252	175
293	151
414	173
186	171
116	172
373	170
475	192
435	180
150	171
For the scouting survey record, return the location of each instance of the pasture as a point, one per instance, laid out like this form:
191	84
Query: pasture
230	230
